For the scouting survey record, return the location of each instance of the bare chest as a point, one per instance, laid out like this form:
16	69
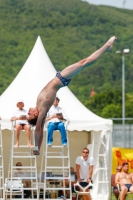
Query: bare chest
125	176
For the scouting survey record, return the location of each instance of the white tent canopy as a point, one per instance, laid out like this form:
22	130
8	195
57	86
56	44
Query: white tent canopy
34	75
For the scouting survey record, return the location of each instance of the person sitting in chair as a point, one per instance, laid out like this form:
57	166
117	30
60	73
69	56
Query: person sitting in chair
55	118
19	172
115	188
20	117
125	180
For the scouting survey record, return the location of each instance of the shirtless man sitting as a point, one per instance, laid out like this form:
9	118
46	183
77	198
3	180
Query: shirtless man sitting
47	96
125	180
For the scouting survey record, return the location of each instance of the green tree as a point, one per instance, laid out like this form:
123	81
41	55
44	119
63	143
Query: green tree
109	105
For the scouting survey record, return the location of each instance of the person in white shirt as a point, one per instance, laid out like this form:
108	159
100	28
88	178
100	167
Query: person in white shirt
20	117
84	169
19	171
55	118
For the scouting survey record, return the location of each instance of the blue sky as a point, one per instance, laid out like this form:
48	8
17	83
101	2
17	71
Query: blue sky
128	4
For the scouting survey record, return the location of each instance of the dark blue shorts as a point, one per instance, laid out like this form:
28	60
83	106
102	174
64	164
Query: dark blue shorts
128	186
84	184
64	81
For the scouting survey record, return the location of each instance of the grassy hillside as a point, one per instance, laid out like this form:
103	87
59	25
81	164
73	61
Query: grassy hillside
70	31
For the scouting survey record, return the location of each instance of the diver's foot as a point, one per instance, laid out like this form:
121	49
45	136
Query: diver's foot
16	145
36	152
110	43
30	145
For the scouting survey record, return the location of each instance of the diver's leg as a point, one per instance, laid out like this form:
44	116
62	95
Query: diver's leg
74	69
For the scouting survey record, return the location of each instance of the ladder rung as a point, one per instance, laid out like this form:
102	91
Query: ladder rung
20	152
53	146
57	178
103	181
50	152
102	168
24	167
26	178
23	146
57	156
59	188
55	167
31	188
24	156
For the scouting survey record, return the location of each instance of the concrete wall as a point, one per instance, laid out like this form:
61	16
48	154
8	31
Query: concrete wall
77	141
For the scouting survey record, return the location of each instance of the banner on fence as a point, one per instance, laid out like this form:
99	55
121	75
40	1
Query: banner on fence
120	155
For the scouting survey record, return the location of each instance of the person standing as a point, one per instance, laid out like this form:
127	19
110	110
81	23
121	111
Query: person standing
84	169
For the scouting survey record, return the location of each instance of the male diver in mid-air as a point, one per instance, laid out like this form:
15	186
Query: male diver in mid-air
47	96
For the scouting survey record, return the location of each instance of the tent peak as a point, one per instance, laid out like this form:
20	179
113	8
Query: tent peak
38	39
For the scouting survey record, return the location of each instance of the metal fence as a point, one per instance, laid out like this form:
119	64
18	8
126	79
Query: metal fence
117	136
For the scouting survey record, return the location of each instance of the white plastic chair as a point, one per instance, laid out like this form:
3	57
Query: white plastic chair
84	189
13	186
